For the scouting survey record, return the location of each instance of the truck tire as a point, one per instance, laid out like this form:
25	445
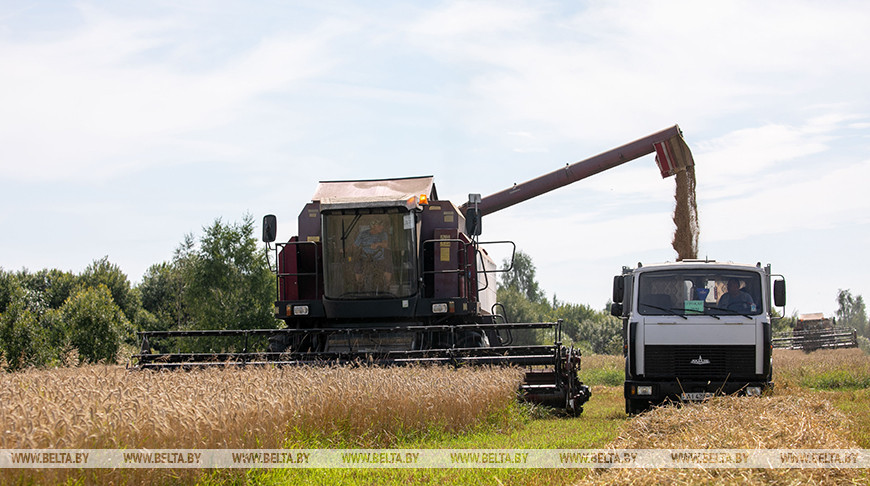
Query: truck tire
634	407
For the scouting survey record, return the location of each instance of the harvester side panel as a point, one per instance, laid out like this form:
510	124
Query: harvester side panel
435	219
309	222
288	271
449	265
299	277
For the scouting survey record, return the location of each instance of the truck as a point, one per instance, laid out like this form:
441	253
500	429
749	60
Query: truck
693	329
385	271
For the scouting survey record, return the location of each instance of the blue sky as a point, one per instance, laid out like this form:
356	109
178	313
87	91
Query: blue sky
126	125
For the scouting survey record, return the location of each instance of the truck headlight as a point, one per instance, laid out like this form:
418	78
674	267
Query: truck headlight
439	308
300	310
644	390
753	391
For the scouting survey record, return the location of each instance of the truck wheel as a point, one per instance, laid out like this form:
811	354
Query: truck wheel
634	407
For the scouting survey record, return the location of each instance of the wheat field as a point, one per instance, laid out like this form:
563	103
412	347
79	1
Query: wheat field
110	407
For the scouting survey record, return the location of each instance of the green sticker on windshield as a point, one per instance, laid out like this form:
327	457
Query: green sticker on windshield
694	306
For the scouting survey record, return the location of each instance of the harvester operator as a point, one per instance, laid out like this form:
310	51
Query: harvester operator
374	246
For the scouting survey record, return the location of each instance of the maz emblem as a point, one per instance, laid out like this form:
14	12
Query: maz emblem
700	361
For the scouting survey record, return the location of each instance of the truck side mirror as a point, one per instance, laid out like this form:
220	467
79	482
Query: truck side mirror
616	309
270	228
618	289
779	293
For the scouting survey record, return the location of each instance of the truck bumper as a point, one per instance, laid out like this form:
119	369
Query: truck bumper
654	392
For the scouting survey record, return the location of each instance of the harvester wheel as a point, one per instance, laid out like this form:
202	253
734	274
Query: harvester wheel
573	409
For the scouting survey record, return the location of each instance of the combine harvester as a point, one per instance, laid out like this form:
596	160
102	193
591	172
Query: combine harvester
815	331
385	272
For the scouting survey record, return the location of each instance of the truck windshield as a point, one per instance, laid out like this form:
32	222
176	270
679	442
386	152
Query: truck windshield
369	254
695	292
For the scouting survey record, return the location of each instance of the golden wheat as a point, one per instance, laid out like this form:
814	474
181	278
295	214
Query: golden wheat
790	418
110	407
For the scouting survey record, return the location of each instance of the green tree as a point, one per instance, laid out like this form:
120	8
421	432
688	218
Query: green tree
8	285
226	282
572	316
852	312
24	341
518	308
161	294
50	287
523	300
521	277
602	334
103	272
95	324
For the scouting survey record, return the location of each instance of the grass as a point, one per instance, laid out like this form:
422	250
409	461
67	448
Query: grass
530	428
828	369
600	369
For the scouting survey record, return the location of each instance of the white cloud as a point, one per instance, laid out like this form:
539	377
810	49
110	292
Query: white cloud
823	200
95	101
462	21
614	69
744	153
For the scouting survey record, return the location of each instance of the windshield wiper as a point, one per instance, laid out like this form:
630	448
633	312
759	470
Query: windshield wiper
732	312
668	310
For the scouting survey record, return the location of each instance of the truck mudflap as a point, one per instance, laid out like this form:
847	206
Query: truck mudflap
551	378
641	395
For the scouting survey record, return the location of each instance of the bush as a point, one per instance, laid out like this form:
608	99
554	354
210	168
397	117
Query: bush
24	342
96	326
602	334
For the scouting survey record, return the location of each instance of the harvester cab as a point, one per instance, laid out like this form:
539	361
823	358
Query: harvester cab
386	272
382	254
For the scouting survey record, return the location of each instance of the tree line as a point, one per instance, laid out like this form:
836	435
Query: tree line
851	313
592	330
57	318
222	280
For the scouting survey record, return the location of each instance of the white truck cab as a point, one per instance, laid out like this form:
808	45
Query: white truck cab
695	328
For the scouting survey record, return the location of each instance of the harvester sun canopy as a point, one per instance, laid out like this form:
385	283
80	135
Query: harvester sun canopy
404	192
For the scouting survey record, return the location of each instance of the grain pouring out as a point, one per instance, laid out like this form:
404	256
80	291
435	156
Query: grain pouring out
675	159
687	230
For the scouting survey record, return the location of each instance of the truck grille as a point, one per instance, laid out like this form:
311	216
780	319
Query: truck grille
700	362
